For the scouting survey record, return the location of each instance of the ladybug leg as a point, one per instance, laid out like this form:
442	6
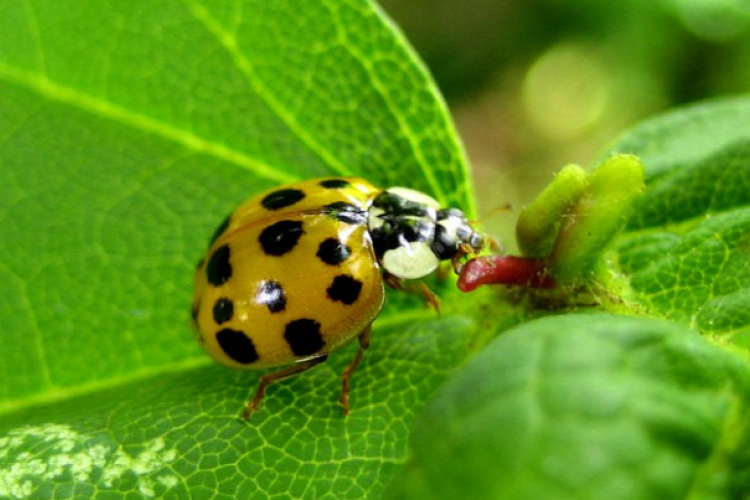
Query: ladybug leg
414	287
443	271
254	404
346	376
457	260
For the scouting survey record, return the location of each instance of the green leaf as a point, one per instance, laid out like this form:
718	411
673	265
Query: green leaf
179	435
597	406
586	406
127	132
687	248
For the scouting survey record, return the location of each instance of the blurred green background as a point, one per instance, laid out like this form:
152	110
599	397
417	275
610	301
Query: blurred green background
536	84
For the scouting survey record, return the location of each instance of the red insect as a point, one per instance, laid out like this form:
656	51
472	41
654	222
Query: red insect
504	270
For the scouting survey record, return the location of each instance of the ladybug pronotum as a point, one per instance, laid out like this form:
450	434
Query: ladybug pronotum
299	271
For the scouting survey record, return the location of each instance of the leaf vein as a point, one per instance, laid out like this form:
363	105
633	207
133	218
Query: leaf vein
229	43
43	86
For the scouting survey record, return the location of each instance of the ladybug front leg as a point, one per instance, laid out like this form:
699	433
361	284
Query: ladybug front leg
414	287
346	376
254	404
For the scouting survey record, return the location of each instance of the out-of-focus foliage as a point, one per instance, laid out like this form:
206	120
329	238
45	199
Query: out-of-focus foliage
688	48
535	84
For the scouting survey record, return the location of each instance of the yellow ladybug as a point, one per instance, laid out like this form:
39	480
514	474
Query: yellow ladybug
298	271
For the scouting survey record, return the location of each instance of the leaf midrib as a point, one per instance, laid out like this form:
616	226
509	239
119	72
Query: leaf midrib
50	90
58	394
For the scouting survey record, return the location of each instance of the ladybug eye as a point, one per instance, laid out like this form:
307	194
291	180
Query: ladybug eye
451	231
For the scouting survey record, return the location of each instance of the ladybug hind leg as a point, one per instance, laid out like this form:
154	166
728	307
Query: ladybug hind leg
254	404
346	375
416	287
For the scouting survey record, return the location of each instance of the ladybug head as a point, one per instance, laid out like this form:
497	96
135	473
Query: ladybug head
411	234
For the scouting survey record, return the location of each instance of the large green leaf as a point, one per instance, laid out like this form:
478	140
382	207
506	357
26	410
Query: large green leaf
587	406
127	131
601	406
687	248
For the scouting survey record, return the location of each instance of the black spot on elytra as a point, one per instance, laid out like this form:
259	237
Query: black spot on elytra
237	346
304	337
281	237
271	294
335	183
219	269
223	310
344	289
220	230
333	252
282	198
346	212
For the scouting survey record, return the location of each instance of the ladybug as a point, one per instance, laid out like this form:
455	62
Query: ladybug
297	272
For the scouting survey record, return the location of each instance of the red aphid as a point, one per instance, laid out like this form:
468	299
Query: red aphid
504	270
